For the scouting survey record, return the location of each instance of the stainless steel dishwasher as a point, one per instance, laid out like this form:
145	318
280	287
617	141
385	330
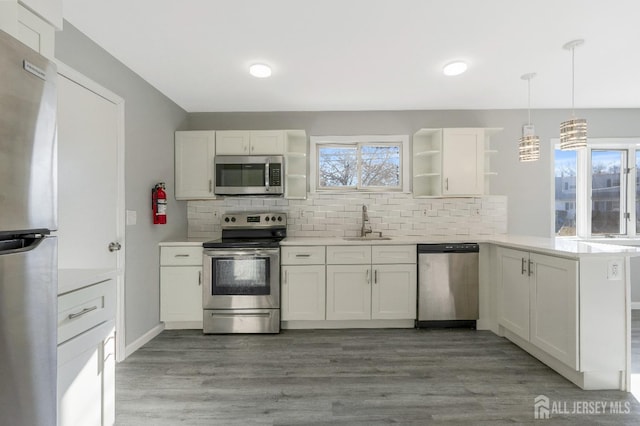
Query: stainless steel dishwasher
447	285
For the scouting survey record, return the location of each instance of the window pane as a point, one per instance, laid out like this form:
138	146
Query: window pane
565	179
606	198
380	165
337	166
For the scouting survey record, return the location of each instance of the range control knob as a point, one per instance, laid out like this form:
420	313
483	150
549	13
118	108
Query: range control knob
279	218
266	219
273	218
233	219
226	219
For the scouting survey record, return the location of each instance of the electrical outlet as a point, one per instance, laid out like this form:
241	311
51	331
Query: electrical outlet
614	270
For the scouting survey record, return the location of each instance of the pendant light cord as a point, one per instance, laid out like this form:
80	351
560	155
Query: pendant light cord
573	81
529	100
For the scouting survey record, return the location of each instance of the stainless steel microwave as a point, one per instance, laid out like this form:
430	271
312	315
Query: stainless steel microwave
249	175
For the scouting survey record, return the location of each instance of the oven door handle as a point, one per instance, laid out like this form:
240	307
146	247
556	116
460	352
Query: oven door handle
240	314
254	252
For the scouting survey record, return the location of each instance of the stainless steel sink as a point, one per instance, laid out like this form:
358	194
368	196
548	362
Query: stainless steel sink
366	238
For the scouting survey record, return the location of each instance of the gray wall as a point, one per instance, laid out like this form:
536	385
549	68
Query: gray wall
527	185
150	122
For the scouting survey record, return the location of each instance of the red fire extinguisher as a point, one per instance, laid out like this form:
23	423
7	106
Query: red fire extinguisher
159	204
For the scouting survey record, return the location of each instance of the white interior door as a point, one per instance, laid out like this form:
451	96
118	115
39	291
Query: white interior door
91	181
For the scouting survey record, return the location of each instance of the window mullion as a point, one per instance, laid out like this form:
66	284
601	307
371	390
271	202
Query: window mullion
583	193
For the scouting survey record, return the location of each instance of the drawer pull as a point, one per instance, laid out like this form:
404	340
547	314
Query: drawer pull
82	312
181	255
303	255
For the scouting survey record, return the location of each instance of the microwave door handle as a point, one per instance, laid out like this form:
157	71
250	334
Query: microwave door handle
266	176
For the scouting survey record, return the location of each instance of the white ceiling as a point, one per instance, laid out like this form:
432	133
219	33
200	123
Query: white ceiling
372	54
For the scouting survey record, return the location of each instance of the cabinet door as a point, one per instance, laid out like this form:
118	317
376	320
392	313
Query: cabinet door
348	292
180	293
80	388
233	142
553	301
194	154
513	291
267	142
303	292
463	162
86	378
393	293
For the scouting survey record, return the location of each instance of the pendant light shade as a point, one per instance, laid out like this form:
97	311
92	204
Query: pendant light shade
573	132
529	146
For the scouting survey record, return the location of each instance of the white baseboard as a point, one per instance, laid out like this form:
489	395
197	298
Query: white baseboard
635	305
144	339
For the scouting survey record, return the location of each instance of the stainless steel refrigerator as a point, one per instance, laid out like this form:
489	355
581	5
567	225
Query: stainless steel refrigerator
28	250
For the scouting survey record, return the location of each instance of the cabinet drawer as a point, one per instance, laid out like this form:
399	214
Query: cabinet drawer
181	256
307	255
83	309
348	255
393	254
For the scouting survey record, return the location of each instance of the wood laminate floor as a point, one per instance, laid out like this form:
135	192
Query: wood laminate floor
348	377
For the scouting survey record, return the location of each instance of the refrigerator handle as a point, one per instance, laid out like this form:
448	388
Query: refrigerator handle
20	243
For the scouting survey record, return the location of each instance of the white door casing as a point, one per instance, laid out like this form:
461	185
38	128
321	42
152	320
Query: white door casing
91	181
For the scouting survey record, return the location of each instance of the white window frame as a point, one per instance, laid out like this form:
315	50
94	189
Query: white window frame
584	182
401	140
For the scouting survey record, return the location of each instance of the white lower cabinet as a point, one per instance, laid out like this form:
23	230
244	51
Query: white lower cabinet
349	292
181	286
371	282
539	301
303	283
393	295
86	356
303	294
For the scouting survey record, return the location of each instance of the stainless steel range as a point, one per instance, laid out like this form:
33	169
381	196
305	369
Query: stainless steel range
241	291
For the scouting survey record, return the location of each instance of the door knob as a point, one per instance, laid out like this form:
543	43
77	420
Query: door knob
114	246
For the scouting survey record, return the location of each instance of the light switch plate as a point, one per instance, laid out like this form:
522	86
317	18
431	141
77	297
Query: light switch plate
132	217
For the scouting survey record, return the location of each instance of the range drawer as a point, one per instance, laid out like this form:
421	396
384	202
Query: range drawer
181	256
394	254
348	255
85	308
302	255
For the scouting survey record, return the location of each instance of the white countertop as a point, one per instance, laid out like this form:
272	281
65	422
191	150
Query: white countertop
73	279
572	248
194	242
566	247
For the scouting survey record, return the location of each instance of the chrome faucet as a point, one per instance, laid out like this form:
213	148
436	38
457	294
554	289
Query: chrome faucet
366	226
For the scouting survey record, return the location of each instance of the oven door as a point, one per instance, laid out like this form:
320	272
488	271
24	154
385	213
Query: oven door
241	279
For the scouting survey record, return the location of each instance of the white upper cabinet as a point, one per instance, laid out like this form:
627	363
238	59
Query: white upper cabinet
463	161
451	162
254	142
194	155
49	10
33	29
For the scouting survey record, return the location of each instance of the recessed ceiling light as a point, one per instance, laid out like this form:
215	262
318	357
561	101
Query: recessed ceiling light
454	68
260	70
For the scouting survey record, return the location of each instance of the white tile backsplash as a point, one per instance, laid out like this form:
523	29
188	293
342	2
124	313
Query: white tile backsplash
339	215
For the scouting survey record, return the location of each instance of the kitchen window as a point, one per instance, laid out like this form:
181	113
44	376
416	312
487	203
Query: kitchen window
597	191
359	163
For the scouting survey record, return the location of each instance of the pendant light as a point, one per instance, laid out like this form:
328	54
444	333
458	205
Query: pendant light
573	132
529	146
